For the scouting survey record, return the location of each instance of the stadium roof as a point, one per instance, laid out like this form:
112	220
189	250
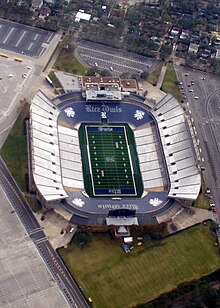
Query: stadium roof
45	148
179	151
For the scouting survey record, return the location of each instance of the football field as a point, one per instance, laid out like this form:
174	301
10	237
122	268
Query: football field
110	162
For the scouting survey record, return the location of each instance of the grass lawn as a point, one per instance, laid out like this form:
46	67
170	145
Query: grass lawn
14	150
169	84
14	153
153	77
67	62
55	80
115	279
34	204
202	201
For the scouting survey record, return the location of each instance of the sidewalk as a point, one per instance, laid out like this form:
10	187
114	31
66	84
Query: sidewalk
161	77
153	94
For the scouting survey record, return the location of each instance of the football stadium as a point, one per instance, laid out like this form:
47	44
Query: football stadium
108	158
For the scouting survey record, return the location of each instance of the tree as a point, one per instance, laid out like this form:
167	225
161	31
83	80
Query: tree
165	51
125	75
92	71
82	237
144	75
105	73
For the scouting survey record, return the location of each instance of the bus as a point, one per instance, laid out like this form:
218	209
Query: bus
3	55
18	59
49	81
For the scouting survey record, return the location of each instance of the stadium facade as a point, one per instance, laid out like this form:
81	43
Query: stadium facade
165	153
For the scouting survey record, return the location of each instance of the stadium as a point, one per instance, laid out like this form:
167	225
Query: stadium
108	158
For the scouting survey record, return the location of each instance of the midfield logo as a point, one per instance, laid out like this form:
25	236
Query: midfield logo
139	114
78	202
70	112
155	201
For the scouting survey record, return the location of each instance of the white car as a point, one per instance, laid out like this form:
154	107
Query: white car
190	90
196	97
24	75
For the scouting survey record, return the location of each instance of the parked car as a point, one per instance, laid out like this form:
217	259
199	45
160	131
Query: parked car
208	190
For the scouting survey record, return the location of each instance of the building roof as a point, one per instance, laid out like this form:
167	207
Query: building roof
92	95
193	47
82	16
97	80
122	221
68	82
129	85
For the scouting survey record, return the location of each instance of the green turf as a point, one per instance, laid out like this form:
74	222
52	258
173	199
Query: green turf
14	150
55	80
202	201
170	84
67	62
115	279
153	76
14	153
34	204
108	161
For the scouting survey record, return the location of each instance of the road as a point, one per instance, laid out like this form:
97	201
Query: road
203	107
55	265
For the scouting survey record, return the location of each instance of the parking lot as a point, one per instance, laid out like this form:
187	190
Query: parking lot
115	60
24	278
13	76
22	39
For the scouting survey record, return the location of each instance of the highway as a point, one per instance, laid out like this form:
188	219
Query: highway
54	263
203	107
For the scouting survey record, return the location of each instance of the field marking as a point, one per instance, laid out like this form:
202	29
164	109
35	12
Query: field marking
130	160
10	32
89	158
20	38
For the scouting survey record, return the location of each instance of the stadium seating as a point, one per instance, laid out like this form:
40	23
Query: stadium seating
46	167
70	157
178	149
148	158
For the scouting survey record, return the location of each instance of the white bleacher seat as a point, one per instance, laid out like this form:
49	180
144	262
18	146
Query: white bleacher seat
177	148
